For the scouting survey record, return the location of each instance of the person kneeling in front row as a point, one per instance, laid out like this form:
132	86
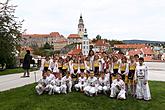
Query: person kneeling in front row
118	88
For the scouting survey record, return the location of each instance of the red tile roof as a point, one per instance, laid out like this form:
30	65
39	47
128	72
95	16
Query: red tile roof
134	52
52	34
76	36
146	50
75	51
130	46
101	43
55	34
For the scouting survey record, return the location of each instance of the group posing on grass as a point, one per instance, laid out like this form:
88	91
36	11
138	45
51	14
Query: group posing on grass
114	75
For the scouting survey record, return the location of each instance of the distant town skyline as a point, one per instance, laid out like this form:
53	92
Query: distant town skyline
119	19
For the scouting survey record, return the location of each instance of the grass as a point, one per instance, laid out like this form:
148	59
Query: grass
25	98
15	70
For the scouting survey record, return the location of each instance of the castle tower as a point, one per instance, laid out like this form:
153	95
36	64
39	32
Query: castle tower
85	43
81	27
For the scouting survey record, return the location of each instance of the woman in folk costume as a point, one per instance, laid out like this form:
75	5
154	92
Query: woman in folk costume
115	68
123	71
141	80
65	67
118	88
81	83
90	89
96	63
131	74
103	84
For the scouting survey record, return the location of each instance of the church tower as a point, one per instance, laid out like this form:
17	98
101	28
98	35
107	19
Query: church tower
85	43
81	27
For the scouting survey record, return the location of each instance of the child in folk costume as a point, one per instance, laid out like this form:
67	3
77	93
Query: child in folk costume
118	88
46	63
123	71
65	67
91	59
115	68
74	73
68	80
131	74
81	83
40	88
96	63
82	65
49	79
141	79
91	89
103	84
52	64
87	66
60	85
59	64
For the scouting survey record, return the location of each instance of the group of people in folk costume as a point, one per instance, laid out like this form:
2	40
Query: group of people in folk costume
111	74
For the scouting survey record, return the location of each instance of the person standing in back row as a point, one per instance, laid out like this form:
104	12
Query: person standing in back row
26	63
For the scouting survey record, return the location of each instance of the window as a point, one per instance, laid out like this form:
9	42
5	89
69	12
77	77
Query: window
84	47
84	42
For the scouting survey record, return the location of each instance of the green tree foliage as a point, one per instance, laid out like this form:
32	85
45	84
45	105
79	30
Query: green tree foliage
10	33
98	37
46	50
47	46
112	42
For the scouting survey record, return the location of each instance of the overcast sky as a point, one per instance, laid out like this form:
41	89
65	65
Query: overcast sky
112	19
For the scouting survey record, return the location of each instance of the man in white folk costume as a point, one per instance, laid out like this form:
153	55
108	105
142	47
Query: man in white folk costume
40	88
49	79
91	89
81	83
118	88
104	84
60	85
68	82
141	80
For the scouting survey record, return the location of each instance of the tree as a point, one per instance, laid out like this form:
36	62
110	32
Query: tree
98	37
10	33
112	42
47	46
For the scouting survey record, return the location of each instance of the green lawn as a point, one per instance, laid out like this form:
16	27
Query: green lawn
25	98
15	70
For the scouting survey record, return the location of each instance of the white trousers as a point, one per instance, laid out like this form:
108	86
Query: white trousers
79	86
120	93
40	89
60	89
142	90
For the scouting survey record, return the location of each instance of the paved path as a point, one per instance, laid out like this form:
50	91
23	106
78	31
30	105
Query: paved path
13	80
156	72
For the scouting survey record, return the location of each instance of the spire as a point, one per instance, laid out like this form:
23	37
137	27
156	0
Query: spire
81	16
